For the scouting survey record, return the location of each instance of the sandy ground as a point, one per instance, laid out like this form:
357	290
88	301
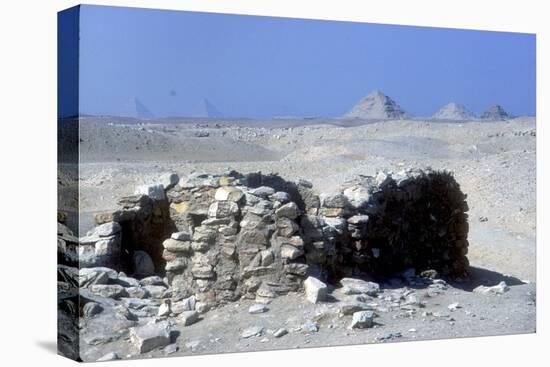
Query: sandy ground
494	162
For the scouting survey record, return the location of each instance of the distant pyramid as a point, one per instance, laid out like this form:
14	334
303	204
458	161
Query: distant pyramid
453	111
136	109
376	106
495	113
206	110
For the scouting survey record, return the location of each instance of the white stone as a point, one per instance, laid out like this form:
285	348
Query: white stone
151	336
290	252
252	331
164	310
228	193
111	356
257	308
181	236
316	290
362	319
359	286
154	191
500	288
187	318
453	306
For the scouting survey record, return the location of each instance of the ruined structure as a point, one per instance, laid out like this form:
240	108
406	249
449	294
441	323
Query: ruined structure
223	237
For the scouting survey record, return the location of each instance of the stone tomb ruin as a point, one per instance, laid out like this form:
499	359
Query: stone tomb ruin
223	237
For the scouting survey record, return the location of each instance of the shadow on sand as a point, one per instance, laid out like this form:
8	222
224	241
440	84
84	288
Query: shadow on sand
485	277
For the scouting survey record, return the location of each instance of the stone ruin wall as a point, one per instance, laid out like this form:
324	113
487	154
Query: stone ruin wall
222	237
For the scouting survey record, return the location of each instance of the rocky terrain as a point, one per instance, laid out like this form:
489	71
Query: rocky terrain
494	163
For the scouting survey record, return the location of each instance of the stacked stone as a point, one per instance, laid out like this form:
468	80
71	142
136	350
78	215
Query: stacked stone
243	241
101	246
67	246
144	220
388	223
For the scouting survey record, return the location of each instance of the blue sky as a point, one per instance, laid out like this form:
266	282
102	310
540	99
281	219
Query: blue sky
261	67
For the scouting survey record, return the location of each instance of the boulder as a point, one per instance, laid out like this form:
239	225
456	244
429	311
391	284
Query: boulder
187	318
228	193
187	304
362	319
97	275
143	264
359	286
289	210
181	236
155	291
262	191
108	290
151	336
316	290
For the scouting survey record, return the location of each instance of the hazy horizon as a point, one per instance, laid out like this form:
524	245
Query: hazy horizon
263	67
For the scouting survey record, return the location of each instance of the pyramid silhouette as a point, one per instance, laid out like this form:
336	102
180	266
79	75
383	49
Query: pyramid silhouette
376	105
136	109
206	109
453	111
495	113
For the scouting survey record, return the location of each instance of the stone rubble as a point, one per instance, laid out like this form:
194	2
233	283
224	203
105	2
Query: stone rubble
194	243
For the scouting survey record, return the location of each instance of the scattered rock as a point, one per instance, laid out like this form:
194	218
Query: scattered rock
316	291
252	331
187	304
359	286
500	288
362	319
187	318
454	306
151	336
170	349
257	308
280	332
310	326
